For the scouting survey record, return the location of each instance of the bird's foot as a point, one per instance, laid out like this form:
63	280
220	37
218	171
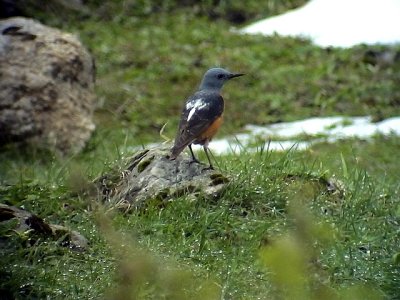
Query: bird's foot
194	160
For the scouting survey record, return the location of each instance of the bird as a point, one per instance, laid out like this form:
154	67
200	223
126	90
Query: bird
202	114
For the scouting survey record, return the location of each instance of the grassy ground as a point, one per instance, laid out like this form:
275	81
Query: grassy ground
277	232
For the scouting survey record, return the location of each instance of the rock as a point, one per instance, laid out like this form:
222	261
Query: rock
69	237
26	222
150	176
46	87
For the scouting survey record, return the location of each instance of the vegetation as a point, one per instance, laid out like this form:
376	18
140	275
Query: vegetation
317	224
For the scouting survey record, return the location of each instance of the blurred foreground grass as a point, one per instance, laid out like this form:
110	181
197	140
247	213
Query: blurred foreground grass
277	232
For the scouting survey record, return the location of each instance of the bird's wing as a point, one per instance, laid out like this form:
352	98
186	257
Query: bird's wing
200	111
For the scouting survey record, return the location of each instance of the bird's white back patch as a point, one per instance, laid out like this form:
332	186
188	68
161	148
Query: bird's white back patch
195	105
191	113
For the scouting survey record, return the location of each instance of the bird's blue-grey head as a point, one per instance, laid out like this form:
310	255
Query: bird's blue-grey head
215	78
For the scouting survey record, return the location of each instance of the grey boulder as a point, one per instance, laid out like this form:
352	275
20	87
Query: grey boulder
46	87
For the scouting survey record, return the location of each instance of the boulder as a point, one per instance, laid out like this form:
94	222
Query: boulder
46	87
149	176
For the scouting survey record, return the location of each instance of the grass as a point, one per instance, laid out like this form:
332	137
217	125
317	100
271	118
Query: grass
277	231
157	61
281	84
349	236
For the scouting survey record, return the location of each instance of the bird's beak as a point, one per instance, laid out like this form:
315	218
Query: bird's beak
236	75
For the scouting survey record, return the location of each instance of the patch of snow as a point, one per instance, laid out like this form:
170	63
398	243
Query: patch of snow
311	126
324	129
225	146
337	23
334	128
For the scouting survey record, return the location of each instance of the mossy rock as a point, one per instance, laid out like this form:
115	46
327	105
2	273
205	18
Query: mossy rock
150	174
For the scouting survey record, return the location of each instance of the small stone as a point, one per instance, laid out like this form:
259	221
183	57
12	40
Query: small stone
32	224
73	239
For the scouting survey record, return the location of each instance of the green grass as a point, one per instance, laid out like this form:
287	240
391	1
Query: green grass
350	235
286	79
148	66
276	233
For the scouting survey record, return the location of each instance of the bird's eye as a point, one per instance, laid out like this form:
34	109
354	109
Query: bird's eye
220	76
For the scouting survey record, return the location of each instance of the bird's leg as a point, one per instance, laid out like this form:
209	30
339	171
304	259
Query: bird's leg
206	150
194	159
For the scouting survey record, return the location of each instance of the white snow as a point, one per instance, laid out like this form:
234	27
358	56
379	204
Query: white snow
337	23
329	129
285	136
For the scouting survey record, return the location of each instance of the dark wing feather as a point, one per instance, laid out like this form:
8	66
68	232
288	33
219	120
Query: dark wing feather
200	120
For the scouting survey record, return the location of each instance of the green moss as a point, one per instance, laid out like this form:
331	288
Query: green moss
218	178
144	163
136	159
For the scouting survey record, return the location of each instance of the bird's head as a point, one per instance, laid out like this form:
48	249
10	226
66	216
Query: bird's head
216	77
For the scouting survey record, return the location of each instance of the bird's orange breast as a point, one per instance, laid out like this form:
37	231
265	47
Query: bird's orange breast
211	130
